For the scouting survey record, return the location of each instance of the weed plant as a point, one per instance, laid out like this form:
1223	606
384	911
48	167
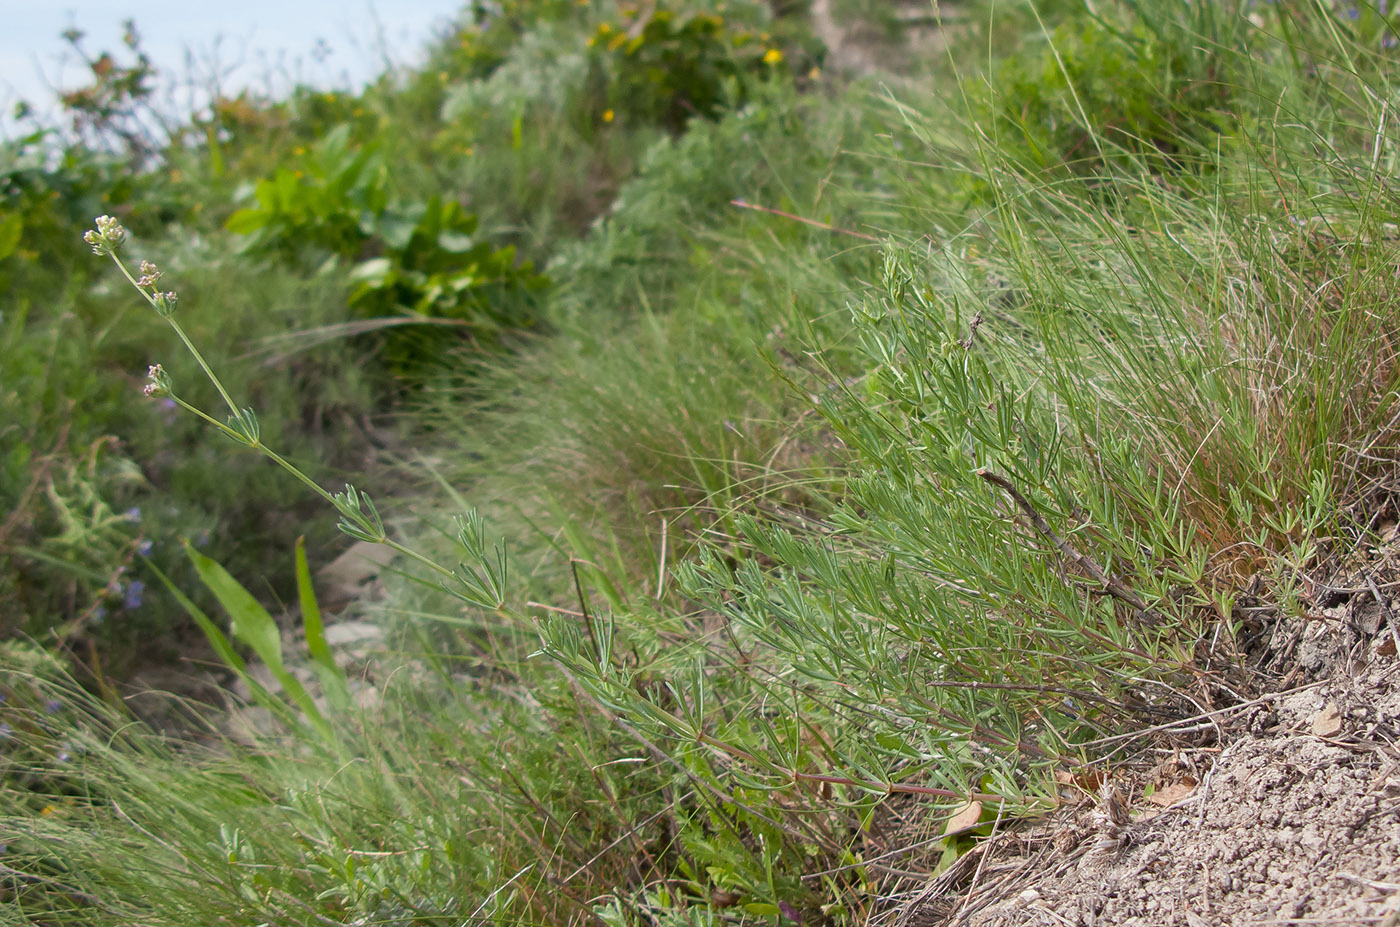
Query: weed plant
1071	411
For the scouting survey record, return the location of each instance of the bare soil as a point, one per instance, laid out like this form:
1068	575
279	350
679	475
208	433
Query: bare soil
1284	809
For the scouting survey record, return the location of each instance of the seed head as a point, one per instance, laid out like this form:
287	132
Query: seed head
164	303
160	383
107	237
149	275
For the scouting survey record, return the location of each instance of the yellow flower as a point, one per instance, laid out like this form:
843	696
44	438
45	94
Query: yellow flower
608	115
772	56
604	29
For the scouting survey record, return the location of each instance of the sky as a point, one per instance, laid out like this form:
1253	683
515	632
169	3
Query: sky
265	45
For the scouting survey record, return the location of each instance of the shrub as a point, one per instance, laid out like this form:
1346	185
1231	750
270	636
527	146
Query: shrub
1140	87
671	63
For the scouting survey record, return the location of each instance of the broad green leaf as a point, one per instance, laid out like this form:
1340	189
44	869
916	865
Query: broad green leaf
222	647
251	623
247	221
11	227
253	626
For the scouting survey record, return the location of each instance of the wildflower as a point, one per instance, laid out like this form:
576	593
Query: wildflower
772	56
164	303
160	384
133	514
144	547
6	732
135	590
149	275
107	237
52	706
609	115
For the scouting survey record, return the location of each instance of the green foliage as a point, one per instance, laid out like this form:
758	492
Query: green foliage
834	499
327	201
1136	85
46	200
670	63
433	267
426	264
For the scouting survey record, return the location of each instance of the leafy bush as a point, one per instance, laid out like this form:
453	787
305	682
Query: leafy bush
1142	86
670	63
325	202
416	261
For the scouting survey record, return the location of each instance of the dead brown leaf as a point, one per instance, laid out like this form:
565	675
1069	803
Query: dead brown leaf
1328	721
1172	794
967	816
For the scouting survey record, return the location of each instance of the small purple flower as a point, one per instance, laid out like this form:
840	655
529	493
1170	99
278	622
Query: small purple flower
1353	13
99	614
6	732
63	756
133	514
52	706
144	547
134	591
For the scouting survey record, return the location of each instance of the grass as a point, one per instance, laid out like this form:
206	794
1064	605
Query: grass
812	540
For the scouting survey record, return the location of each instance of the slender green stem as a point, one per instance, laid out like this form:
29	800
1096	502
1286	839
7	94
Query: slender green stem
254	443
291	468
199	358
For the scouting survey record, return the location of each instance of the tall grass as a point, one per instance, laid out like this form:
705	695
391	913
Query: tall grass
939	516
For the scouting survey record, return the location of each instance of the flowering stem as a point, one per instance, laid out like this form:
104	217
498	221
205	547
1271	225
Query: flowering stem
106	239
291	468
199	358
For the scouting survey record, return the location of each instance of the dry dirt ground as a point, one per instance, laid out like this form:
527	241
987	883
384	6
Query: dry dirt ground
1283	809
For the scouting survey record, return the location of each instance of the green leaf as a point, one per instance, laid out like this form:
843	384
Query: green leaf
762	909
11	227
247	221
251	623
219	641
333	681
253	626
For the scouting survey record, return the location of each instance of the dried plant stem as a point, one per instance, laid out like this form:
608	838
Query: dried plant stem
1114	587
